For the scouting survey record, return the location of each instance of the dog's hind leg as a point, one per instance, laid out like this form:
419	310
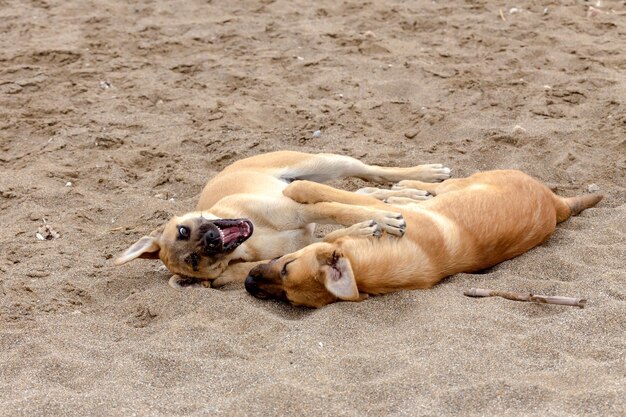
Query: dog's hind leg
405	203
325	167
430	188
308	192
383	194
453	184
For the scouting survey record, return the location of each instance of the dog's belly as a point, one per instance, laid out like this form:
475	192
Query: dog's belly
235	184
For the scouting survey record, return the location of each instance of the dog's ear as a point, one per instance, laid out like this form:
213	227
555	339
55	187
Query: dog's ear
146	247
342	286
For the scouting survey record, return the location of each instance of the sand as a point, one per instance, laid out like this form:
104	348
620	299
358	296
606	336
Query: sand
113	116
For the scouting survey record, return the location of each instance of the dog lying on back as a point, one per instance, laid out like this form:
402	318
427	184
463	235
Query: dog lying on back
243	217
471	224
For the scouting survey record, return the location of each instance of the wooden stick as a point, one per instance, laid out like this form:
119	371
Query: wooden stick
502	16
534	298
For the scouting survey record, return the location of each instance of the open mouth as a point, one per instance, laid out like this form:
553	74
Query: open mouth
233	232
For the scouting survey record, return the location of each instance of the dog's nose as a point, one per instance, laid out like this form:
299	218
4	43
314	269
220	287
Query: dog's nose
251	285
212	239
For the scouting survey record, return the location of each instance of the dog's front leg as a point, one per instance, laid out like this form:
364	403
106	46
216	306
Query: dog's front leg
235	274
368	228
326	205
181	283
348	215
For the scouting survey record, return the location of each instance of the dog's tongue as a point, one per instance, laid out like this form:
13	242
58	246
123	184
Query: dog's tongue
233	233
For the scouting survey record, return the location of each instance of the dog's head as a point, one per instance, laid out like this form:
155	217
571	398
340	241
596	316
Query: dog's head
192	245
314	276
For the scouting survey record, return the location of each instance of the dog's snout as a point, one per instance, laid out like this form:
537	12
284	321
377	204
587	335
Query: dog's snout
257	271
212	236
251	285
212	239
252	280
263	282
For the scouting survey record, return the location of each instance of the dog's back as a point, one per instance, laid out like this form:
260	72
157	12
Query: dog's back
472	224
502	214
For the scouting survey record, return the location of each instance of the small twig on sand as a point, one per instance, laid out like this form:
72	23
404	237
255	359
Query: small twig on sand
502	16
534	298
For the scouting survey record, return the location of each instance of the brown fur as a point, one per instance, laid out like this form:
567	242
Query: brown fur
252	189
472	224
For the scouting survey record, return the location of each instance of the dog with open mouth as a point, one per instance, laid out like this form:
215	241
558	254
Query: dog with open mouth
472	223
243	218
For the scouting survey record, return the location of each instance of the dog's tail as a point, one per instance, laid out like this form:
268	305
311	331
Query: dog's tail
572	206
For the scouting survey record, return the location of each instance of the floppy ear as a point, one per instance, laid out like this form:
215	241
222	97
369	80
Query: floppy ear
342	286
146	247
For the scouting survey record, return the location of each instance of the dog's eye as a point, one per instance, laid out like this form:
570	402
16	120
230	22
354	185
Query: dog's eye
283	271
183	232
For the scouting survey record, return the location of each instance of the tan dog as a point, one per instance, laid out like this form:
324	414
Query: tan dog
243	217
471	224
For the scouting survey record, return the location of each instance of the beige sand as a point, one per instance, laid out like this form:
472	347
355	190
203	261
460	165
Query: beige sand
137	105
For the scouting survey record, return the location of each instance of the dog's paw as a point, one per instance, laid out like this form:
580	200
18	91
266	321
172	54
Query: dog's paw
435	173
402	185
392	223
409	185
373	229
410	193
366	229
182	283
407	203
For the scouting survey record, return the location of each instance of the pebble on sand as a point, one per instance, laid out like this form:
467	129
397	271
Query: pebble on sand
410	134
45	232
593	188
